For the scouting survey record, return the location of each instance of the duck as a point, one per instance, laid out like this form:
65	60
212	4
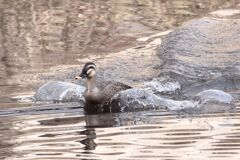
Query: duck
98	100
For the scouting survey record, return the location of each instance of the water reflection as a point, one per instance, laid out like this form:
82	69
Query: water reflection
144	135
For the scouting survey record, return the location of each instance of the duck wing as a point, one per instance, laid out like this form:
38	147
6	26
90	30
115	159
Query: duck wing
110	90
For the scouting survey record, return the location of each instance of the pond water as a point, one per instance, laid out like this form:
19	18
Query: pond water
37	35
63	132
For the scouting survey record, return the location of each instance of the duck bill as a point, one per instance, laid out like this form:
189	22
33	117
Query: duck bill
81	76
78	78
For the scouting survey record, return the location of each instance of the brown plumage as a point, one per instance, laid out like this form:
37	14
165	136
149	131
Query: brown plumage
98	100
110	90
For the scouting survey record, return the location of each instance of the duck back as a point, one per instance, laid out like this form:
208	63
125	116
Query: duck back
107	93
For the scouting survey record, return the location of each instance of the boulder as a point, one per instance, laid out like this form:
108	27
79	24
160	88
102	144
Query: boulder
208	101
60	91
202	50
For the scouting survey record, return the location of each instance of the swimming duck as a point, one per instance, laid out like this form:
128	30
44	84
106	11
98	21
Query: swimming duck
96	99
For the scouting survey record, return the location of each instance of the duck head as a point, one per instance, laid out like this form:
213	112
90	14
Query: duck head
88	71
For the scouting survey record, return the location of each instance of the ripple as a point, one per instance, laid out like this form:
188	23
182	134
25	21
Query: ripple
59	135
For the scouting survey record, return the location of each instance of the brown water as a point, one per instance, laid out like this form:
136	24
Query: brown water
36	35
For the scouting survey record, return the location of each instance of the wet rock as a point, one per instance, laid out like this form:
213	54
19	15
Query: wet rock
208	101
215	96
202	50
163	86
142	100
220	83
212	101
60	91
133	100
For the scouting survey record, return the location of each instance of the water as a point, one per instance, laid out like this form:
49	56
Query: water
142	135
37	36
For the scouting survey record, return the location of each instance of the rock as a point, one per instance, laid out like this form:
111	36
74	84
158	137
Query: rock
215	96
220	83
208	101
60	91
202	50
142	100
163	86
133	100
212	101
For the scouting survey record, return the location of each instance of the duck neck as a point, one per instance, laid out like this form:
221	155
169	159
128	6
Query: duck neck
91	85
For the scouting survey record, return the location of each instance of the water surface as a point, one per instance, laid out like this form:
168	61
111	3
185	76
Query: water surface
141	135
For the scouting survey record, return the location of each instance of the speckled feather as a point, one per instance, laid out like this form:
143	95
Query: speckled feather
110	90
106	94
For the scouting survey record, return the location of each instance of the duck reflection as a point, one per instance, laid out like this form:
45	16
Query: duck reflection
88	134
107	120
88	142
